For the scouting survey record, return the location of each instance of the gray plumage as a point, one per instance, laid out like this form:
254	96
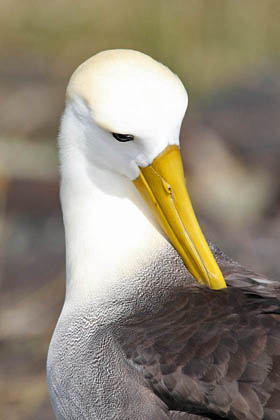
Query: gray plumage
171	349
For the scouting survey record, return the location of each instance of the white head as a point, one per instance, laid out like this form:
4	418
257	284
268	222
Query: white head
125	95
126	92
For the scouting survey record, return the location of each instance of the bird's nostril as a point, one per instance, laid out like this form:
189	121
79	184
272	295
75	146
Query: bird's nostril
167	186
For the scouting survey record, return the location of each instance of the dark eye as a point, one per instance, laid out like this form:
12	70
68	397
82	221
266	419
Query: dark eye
123	137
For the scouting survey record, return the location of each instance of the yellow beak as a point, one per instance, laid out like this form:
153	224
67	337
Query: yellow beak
162	184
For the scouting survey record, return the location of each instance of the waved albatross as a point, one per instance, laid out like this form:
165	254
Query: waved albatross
149	330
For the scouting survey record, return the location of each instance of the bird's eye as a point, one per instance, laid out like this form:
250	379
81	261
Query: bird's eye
123	137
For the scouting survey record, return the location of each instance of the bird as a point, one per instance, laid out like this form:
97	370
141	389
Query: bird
158	323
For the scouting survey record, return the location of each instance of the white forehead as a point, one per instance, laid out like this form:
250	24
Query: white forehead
128	92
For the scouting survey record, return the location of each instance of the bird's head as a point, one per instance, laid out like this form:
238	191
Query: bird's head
130	108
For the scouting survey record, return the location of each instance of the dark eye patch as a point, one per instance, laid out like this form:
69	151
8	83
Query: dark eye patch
123	137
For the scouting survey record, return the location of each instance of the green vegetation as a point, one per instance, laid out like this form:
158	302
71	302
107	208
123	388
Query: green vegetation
209	43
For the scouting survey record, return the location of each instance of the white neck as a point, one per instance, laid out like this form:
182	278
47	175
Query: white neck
109	233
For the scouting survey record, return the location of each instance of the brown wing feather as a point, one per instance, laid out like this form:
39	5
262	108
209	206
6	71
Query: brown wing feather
214	354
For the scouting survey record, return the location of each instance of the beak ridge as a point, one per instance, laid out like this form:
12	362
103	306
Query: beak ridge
162	186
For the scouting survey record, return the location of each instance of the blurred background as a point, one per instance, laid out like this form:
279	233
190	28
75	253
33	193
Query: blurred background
226	53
